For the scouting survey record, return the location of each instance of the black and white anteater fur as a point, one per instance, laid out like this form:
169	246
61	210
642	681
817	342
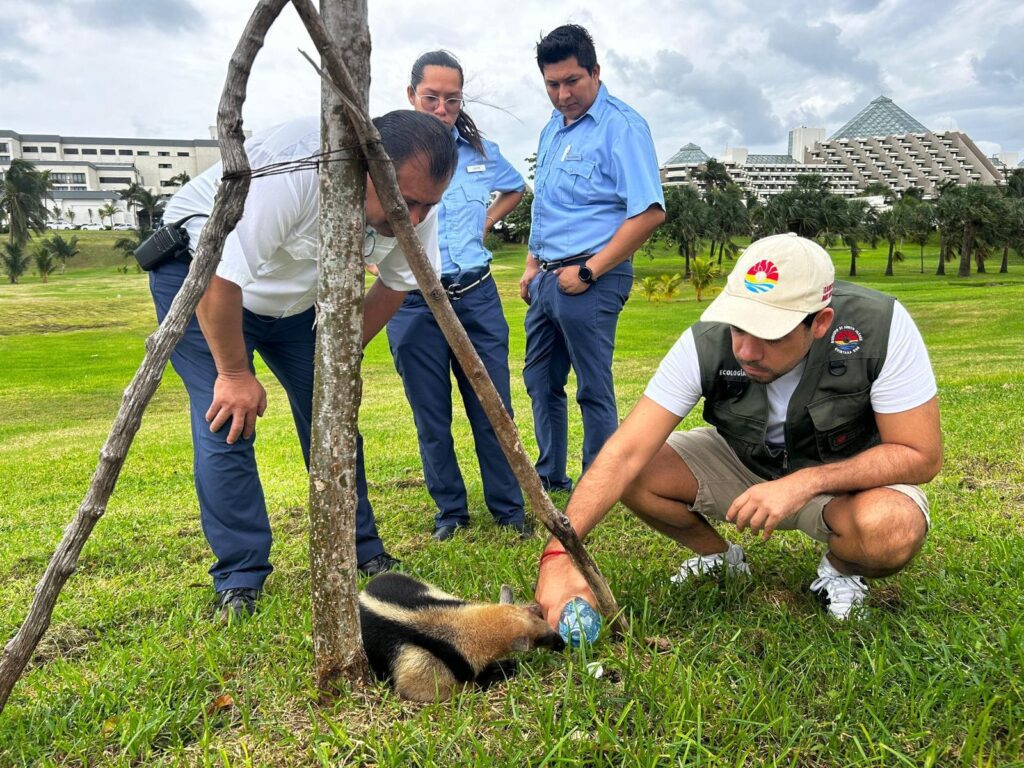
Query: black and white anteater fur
430	644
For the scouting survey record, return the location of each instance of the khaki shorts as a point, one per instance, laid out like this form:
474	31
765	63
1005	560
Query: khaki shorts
721	477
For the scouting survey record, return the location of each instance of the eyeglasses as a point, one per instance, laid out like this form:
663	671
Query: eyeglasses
453	104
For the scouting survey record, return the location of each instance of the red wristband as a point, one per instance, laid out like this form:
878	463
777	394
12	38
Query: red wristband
548	554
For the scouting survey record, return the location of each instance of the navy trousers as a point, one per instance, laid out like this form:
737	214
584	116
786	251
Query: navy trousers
426	364
232	508
576	331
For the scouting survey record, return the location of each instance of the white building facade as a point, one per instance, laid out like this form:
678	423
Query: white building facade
87	173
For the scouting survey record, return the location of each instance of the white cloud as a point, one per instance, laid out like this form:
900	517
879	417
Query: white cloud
156	69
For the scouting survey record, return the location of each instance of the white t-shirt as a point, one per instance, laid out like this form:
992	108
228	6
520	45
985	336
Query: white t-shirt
272	253
905	381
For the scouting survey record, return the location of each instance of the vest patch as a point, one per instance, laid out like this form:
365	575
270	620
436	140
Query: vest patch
846	339
761	277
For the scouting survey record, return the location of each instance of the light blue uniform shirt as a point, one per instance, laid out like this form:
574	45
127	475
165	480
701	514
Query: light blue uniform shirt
591	176
463	208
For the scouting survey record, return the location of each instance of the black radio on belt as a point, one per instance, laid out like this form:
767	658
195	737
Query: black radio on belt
168	242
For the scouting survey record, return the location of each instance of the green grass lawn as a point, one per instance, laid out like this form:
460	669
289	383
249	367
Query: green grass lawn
132	672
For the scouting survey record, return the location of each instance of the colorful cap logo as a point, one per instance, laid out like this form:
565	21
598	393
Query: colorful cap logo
761	277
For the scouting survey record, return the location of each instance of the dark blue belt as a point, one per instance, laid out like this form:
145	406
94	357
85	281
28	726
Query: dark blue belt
548	266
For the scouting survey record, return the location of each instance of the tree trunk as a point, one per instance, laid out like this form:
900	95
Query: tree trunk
888	264
965	252
689	254
853	260
382	172
1004	267
227	210
943	249
922	258
337	385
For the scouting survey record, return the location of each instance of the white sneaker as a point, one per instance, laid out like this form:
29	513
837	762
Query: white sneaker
839	593
732	560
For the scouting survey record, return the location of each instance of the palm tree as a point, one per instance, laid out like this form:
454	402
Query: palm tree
980	216
107	211
129	196
23	199
15	261
727	218
128	245
62	249
45	263
1015	183
686	221
703	275
891	225
920	223
949	214
180	179
855	223
669	285
149	202
649	287
70	216
1014	232
713	174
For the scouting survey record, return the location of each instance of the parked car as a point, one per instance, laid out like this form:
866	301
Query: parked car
93	227
58	225
122	227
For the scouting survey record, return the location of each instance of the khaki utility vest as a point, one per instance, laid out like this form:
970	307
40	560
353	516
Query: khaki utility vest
829	416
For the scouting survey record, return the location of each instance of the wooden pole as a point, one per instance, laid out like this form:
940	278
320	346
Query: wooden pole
227	210
382	172
337	386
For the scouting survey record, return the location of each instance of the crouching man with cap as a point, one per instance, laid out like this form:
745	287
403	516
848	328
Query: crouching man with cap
824	418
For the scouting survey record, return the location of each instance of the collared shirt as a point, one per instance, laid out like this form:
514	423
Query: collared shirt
273	252
464	205
591	176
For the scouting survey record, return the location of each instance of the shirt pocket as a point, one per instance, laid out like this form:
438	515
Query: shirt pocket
465	210
574	180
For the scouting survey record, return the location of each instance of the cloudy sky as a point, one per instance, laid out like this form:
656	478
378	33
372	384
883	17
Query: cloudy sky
728	73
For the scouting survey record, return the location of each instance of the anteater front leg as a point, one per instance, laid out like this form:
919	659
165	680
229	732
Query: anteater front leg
496	672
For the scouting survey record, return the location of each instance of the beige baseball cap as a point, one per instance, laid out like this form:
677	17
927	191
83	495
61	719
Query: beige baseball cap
776	282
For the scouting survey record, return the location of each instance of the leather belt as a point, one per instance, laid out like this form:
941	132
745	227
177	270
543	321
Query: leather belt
548	266
456	290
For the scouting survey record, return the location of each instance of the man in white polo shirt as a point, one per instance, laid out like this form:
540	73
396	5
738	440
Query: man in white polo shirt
824	413
262	299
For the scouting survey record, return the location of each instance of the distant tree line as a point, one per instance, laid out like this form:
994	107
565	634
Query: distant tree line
974	222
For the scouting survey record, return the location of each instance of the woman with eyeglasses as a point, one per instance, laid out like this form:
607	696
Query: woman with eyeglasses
422	355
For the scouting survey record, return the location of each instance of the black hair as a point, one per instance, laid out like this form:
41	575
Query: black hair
808	320
565	42
463	123
406	134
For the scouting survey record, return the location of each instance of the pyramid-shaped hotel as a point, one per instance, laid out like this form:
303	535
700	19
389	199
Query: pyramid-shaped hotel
881	144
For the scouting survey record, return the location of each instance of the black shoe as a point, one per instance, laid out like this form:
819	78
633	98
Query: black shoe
379	564
445	532
523	528
235	602
550	487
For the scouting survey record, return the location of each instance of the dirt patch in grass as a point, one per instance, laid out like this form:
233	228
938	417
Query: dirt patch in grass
64	642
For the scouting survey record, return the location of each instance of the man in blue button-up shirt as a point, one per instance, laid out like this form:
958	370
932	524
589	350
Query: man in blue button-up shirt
598	197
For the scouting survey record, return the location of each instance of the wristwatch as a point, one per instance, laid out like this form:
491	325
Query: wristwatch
586	274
